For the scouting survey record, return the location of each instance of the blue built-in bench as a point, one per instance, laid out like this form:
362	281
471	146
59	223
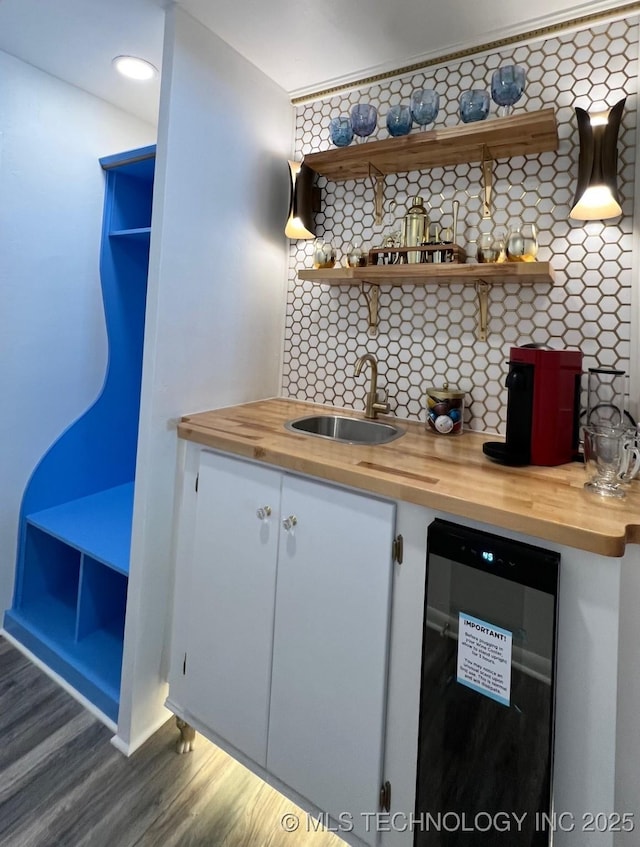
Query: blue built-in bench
98	525
72	571
73	591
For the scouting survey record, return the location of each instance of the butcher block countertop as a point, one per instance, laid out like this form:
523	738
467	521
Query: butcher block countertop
450	474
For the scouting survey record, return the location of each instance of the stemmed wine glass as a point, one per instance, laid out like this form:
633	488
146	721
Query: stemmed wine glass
399	121
474	105
364	117
507	87
341	131
424	106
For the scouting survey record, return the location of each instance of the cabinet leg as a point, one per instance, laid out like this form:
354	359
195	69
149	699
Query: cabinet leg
186	741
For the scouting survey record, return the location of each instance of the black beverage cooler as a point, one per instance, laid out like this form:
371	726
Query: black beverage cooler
485	749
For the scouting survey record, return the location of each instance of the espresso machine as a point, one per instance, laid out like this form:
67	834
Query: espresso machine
543	408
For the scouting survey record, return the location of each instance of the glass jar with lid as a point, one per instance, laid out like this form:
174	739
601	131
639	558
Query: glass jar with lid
445	410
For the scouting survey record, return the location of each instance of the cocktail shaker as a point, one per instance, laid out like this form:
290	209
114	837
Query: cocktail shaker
415	226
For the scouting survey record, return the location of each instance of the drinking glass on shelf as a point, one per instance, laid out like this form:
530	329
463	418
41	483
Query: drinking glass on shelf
399	121
522	243
474	105
507	87
425	104
324	254
355	255
364	117
487	248
500	246
341	131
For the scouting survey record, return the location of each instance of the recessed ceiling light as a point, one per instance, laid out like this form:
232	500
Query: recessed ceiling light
134	68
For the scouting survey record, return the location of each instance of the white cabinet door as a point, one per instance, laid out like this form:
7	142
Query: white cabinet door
232	590
328	690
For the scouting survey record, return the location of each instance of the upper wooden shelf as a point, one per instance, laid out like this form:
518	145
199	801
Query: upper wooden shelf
500	138
419	274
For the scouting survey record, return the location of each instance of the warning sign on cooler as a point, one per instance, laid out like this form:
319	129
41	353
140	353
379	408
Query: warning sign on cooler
484	658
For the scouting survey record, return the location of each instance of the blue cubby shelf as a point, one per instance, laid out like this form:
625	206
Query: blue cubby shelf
98	525
92	665
69	604
71	598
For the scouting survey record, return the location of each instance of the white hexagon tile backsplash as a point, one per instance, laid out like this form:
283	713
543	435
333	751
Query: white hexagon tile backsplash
427	333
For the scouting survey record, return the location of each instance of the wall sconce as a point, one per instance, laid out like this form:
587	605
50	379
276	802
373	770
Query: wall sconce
300	221
597	191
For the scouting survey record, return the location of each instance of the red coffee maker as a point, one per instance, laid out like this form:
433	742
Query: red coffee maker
543	407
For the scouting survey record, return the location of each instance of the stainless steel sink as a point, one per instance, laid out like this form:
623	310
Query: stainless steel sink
347	430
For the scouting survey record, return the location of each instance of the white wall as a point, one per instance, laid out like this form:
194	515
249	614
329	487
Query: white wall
215	308
52	334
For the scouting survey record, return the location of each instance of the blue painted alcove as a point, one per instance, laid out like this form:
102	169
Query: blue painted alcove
75	520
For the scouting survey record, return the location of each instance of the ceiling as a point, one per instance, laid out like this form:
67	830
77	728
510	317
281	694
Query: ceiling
304	45
76	40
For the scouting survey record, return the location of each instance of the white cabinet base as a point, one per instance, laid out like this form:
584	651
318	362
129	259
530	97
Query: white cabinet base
329	682
314	816
281	632
231	600
593	705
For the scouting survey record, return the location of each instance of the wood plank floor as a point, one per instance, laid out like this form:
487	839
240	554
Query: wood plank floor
62	784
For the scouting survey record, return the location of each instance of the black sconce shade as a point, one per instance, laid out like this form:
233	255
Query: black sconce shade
300	219
597	190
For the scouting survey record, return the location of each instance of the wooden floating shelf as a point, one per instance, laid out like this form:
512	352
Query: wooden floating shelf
523	273
480	275
517	135
483	141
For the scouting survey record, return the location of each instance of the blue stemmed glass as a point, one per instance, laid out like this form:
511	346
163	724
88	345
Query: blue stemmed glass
507	87
341	131
474	105
424	106
364	117
399	120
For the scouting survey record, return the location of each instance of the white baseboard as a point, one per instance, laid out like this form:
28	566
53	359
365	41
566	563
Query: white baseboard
129	747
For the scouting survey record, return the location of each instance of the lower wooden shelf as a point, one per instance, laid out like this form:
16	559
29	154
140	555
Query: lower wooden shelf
483	276
524	273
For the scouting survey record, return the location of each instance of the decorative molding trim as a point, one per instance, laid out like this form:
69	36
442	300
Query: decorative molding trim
540	32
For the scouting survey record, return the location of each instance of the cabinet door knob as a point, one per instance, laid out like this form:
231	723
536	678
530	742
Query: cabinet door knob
264	512
290	522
